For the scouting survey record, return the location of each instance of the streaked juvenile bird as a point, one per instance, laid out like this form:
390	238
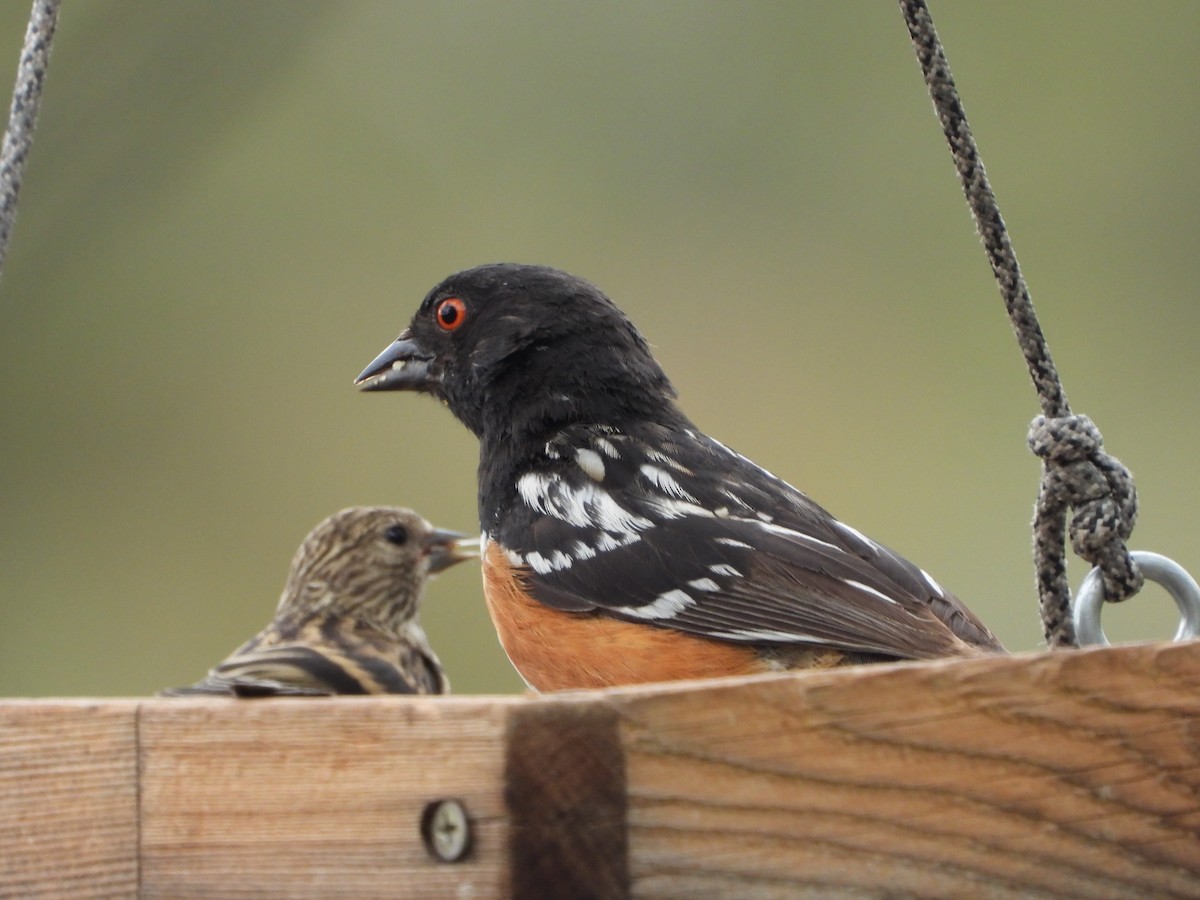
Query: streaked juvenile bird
347	622
622	544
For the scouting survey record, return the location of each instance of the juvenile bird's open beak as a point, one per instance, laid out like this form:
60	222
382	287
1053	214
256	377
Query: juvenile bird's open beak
449	547
403	366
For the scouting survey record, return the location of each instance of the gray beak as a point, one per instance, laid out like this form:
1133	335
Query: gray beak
403	366
446	548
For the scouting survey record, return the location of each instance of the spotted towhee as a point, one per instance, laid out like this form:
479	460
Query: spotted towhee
621	543
347	621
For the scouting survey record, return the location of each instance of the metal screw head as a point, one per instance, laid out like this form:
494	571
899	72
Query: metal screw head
446	830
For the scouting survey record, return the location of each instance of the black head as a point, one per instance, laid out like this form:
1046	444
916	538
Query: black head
517	348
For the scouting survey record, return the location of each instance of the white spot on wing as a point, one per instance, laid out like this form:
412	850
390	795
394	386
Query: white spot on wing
665	482
763	634
724	569
733	542
677	509
750	462
725	492
870	590
606	542
605	446
933	585
797	536
543	564
855	534
533	488
582	550
703	584
587	505
591	463
664	606
660	457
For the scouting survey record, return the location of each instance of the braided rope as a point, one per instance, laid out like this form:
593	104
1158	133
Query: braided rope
27	99
1076	472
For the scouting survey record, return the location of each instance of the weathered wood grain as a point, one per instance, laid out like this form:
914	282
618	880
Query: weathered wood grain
68	799
1059	775
566	802
1051	775
318	798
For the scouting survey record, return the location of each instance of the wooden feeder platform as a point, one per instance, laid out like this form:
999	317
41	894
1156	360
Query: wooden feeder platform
1069	774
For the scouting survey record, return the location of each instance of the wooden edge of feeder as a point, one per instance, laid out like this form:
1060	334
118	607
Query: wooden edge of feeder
1044	774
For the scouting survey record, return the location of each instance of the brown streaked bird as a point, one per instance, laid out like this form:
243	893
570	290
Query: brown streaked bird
622	544
347	622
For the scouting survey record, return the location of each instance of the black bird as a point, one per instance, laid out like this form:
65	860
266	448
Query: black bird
347	621
622	544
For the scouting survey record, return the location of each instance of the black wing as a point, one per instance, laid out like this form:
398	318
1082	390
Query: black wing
675	530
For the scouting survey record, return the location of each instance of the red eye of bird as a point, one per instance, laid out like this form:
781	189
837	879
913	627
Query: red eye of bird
450	313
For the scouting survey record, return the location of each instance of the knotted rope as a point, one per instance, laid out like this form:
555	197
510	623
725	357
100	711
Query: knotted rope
1076	473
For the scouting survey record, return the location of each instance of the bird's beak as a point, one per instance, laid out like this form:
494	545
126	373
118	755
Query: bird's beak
449	547
403	366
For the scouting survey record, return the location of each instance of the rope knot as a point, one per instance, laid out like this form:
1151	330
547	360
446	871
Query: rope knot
1064	439
1077	473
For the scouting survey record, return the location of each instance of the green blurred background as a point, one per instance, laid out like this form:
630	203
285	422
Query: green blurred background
232	207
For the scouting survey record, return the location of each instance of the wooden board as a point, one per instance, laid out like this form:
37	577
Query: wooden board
1056	775
1073	774
68	798
317	798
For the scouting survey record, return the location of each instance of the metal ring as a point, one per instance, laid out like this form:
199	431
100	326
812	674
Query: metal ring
1159	569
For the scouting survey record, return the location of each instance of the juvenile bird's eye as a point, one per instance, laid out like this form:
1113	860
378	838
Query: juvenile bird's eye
450	313
397	534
